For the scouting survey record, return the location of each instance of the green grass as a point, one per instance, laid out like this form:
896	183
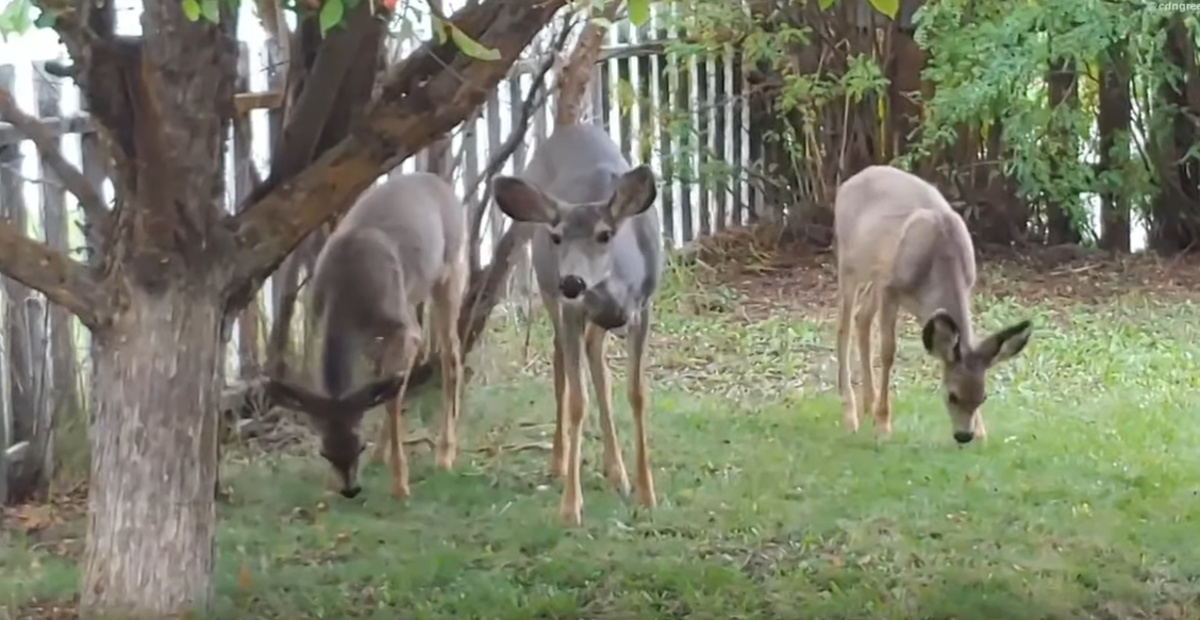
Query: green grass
1082	503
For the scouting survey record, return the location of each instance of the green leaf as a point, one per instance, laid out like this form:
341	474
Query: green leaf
211	10
331	15
602	22
191	10
14	19
639	12
887	7
825	4
471	47
439	28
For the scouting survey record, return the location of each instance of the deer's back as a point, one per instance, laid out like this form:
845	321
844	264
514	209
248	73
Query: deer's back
894	227
582	164
413	224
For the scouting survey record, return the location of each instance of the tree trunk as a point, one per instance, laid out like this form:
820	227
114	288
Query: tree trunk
150	536
1175	225
1063	81
1113	127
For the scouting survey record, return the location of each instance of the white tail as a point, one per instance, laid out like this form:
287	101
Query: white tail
401	245
900	245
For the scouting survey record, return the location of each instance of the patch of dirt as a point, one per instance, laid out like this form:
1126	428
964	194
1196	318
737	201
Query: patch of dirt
52	526
57	610
799	279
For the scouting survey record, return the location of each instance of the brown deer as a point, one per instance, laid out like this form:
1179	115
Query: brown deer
899	244
402	244
598	257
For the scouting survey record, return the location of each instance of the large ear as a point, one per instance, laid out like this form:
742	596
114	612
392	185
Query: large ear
523	201
295	397
635	193
373	393
1006	343
941	336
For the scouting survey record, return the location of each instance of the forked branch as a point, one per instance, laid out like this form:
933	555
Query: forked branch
90	200
63	281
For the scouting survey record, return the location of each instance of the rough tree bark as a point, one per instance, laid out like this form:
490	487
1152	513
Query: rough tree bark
1113	126
1175	222
177	270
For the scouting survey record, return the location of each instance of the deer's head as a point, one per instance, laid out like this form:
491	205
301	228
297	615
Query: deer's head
581	233
337	421
965	365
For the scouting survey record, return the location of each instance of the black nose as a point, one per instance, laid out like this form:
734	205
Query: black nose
962	437
571	286
351	492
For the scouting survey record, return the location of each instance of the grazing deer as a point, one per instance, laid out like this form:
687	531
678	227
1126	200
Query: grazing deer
598	258
403	243
900	245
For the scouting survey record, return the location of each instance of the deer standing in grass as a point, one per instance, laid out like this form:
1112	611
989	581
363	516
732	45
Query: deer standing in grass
402	244
899	244
598	258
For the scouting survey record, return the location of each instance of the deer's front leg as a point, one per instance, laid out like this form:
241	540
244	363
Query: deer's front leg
638	337
558	461
571	508
614	465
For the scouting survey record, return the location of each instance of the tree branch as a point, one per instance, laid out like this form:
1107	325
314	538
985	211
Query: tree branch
575	76
307	116
535	98
89	197
62	280
421	98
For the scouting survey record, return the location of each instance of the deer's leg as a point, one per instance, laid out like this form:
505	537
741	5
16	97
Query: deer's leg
558	461
385	430
639	334
889	309
980	431
571	508
846	311
864	315
400	354
447	306
614	467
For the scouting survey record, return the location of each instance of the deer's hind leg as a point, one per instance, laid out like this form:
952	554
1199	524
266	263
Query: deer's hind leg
845	312
399	354
866	306
447	306
889	309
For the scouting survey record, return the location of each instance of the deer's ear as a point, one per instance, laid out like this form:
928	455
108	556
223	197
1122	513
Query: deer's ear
373	393
941	336
1006	343
523	201
294	397
635	193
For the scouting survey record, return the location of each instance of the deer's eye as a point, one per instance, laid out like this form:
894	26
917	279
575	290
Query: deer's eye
953	398
555	238
604	236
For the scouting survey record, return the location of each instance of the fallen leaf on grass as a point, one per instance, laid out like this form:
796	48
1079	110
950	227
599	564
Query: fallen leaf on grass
243	580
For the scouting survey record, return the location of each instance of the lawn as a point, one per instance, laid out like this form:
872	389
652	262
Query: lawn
1082	503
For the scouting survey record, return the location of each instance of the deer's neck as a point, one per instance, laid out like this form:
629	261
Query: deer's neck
949	291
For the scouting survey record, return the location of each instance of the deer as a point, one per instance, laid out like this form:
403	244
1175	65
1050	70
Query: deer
401	245
597	255
899	244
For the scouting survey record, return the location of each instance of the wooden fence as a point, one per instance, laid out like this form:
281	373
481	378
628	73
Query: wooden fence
684	117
